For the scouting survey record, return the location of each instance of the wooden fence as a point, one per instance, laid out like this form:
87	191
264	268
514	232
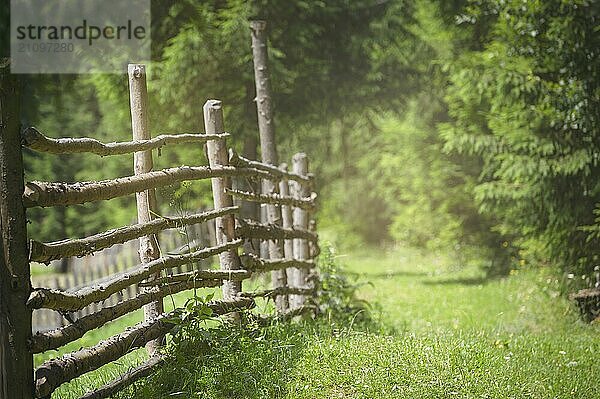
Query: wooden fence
97	268
292	244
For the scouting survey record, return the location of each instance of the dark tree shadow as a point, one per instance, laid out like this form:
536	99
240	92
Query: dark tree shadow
462	281
394	274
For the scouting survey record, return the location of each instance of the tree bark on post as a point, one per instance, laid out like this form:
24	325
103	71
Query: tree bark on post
300	221
225	225
142	163
248	209
16	362
266	128
286	217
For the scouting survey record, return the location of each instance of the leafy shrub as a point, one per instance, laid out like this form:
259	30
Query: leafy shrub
337	292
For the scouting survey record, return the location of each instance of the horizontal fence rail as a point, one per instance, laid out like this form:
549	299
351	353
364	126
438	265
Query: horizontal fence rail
275	172
72	301
143	370
199	275
279	291
255	263
276	199
35	140
46	194
251	229
42	342
47	252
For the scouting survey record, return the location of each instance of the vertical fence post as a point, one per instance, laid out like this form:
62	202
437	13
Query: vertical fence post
224	225
248	209
300	220
266	128
16	362
286	217
142	162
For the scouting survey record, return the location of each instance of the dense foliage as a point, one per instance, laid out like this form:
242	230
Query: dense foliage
527	105
472	125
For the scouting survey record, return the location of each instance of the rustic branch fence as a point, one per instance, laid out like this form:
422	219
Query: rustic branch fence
95	301
120	258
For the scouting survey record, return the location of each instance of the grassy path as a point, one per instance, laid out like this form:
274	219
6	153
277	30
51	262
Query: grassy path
447	333
459	335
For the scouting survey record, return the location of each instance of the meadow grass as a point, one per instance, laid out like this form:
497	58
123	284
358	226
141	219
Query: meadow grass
441	329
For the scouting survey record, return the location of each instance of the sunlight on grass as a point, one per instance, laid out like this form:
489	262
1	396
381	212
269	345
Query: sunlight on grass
444	331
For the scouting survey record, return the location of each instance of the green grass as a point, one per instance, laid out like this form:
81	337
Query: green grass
442	330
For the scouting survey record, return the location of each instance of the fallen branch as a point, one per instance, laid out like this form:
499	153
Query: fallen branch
237	160
231	275
56	193
35	140
46	252
265	231
276	199
53	339
52	373
73	301
256	264
141	371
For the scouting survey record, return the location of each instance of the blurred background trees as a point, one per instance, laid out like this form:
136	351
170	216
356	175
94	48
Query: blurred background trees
470	126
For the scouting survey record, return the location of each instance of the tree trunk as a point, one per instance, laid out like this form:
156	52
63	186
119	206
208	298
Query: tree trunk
268	148
16	363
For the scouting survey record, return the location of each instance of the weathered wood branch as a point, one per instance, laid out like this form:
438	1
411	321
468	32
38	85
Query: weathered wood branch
276	199
73	301
237	160
47	252
52	373
56	193
35	140
53	339
232	275
252	229
279	291
143	370
256	264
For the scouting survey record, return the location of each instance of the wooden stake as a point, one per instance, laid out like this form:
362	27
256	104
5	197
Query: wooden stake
225	225
300	220
248	209
286	217
142	163
16	363
266	128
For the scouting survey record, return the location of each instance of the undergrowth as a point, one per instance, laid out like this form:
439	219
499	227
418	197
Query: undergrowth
213	358
440	332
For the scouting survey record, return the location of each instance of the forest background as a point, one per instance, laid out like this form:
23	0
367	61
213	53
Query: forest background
464	126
